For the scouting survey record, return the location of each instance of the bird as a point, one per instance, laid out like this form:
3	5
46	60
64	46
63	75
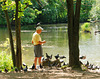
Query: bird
0	71
25	69
90	66
11	67
98	67
33	67
16	69
6	70
82	57
24	64
61	61
41	66
61	57
57	56
87	64
65	64
21	68
48	57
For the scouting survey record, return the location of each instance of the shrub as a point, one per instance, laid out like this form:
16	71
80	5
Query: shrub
85	27
5	61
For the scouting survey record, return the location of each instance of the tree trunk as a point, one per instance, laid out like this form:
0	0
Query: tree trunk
18	38
10	37
73	33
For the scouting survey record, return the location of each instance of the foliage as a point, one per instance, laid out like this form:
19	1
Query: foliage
95	11
86	6
5	60
53	11
31	15
85	27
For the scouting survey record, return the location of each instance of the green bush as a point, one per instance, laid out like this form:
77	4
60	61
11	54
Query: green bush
85	27
5	61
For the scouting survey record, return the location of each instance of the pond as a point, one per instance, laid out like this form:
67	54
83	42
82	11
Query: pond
56	37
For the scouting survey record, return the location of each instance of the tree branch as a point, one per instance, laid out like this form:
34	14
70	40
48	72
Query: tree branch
26	6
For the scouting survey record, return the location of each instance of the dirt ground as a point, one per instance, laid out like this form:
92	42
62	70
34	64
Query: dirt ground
52	74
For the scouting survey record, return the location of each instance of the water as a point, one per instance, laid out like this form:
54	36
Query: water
56	37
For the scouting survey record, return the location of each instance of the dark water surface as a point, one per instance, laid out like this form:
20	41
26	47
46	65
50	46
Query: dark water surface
56	37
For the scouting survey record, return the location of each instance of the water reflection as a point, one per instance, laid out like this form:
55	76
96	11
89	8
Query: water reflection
57	42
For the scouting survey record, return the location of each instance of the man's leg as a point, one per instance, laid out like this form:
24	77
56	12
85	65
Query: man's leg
40	60
35	61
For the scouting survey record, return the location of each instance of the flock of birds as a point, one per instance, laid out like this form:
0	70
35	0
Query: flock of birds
25	68
89	65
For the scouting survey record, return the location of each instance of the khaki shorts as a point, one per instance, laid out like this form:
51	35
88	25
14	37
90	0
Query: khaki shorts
38	50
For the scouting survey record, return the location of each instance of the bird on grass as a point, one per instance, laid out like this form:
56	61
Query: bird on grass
24	64
61	57
12	67
87	64
0	71
6	70
33	67
21	68
65	64
82	57
57	56
41	66
16	69
48	57
25	69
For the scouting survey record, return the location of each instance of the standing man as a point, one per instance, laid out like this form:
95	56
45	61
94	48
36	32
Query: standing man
36	40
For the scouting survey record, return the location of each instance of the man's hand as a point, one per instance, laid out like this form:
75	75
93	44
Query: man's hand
32	42
44	41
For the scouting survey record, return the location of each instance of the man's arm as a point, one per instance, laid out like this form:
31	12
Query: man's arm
42	42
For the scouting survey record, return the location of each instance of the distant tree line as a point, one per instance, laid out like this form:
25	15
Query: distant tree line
53	11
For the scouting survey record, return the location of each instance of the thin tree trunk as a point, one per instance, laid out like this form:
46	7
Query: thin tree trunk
10	37
18	38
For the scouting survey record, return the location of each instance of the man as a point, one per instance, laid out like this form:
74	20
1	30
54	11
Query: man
36	40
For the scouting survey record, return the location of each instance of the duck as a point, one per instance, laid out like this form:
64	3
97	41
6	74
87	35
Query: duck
21	68
64	64
25	69
90	66
87	64
57	56
0	71
11	67
41	66
6	70
24	64
16	69
82	57
61	57
48	57
33	67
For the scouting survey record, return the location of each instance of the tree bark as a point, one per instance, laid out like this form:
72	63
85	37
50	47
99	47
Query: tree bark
73	33
18	38
10	37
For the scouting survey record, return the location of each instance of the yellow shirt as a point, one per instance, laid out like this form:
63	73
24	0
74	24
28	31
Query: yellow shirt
36	38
